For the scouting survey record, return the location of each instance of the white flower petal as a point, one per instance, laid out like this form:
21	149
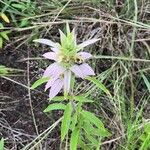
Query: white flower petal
50	55
84	55
50	83
54	70
86	43
55	88
77	71
86	70
54	49
47	42
67	81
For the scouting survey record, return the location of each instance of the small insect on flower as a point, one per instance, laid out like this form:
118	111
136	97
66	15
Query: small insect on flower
67	59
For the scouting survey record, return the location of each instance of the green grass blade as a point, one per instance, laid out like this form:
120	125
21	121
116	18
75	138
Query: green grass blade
146	81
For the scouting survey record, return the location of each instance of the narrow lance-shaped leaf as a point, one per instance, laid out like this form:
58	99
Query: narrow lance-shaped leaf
67	28
74	120
93	140
92	118
83	145
1	42
66	121
90	129
4	34
98	84
19	6
24	22
86	43
47	42
147	128
146	81
55	106
62	37
2	144
82	99
39	82
61	98
74	139
5	18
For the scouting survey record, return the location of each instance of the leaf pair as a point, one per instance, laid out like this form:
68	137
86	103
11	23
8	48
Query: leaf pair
90	118
93	130
65	126
67	122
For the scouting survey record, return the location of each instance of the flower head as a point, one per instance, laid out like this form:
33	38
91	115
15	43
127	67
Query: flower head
67	59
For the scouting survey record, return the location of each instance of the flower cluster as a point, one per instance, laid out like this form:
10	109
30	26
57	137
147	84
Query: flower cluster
68	61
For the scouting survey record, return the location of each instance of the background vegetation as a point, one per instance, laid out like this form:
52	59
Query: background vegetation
122	63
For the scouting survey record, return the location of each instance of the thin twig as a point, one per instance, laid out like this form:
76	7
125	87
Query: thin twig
29	94
121	58
95	57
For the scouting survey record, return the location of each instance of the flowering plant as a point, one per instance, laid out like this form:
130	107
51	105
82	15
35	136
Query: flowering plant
70	62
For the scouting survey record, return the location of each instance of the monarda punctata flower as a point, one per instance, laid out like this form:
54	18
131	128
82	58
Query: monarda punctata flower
69	60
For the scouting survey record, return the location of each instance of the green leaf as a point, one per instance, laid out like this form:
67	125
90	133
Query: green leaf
146	81
55	106
4	34
19	6
1	26
92	118
2	144
74	121
58	98
39	82
93	140
61	98
62	38
83	145
1	42
82	99
91	130
66	121
2	66
24	23
67	28
3	70
143	137
145	143
5	18
99	84
74	139
147	128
